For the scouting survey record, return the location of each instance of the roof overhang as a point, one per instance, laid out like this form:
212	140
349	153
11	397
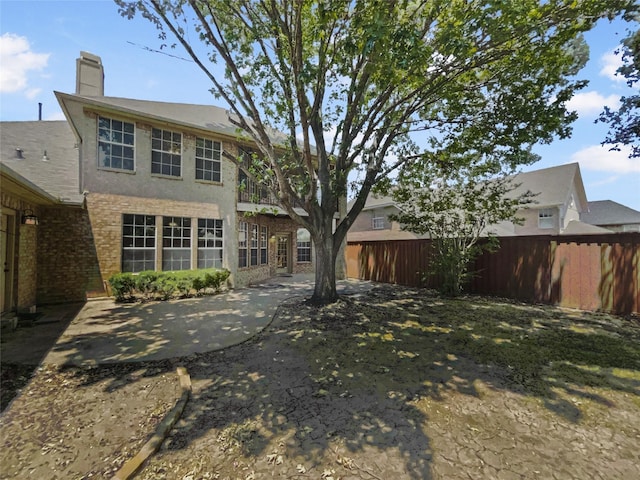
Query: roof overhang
15	184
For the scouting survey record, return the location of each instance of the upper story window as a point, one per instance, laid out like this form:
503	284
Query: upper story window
377	223
546	218
116	144
166	152
208	155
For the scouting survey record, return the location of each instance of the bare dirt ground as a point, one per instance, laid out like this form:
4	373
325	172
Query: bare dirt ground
392	384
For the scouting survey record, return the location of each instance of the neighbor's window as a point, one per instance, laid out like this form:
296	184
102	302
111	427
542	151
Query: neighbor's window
166	151
242	244
208	155
254	245
377	223
116	144
176	243
264	246
138	242
209	243
546	218
303	244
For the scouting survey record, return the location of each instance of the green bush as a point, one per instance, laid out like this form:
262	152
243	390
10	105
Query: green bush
165	285
122	286
146	283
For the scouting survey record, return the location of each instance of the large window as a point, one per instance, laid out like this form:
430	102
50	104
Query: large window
254	245
304	245
546	218
166	151
176	243
242	244
116	143
209	243
138	243
264	246
208	155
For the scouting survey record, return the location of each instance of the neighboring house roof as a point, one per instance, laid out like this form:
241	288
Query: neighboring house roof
608	212
200	117
576	227
57	173
382	235
552	186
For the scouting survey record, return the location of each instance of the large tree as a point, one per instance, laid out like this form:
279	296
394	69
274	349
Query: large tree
350	83
624	123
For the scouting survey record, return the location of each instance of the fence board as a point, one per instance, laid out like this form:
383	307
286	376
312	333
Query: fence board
590	272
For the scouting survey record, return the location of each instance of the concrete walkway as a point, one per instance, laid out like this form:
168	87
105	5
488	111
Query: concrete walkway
106	332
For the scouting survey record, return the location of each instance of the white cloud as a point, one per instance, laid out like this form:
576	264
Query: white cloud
611	61
600	158
17	61
605	181
592	103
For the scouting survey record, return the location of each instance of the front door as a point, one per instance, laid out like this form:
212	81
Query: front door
6	253
282	254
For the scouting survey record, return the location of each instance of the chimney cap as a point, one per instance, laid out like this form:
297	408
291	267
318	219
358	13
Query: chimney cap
90	57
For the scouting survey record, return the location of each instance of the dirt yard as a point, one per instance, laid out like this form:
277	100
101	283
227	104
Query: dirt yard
392	384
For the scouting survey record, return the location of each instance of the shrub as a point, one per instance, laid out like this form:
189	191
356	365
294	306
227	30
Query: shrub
166	285
122	286
146	283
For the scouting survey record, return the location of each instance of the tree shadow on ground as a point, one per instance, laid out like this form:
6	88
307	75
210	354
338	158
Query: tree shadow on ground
347	377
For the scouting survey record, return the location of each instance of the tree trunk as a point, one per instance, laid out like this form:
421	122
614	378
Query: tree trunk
325	288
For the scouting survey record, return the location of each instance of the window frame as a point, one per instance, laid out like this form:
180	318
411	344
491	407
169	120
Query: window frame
255	251
264	245
546	218
303	249
243	231
207	224
183	239
117	144
164	153
377	223
138	221
202	171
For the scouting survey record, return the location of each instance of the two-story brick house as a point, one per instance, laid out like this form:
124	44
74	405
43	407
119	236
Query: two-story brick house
156	191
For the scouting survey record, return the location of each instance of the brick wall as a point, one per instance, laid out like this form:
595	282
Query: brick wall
27	267
68	269
23	248
275	226
105	214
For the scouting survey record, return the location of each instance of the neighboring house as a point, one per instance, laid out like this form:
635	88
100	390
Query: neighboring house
556	207
132	185
612	216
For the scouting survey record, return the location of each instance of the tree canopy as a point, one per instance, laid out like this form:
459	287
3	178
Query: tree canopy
624	123
360	87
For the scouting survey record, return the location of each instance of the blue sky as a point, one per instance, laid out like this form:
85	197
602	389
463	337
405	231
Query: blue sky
40	41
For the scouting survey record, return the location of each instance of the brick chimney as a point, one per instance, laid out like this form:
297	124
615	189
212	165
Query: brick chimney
89	75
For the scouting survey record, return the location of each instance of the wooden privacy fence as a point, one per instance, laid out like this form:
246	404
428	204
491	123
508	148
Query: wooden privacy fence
589	272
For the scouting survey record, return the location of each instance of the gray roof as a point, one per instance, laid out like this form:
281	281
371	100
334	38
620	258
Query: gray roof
201	117
608	212
552	187
576	227
58	174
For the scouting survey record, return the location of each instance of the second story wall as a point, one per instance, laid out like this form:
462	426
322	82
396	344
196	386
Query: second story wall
124	155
